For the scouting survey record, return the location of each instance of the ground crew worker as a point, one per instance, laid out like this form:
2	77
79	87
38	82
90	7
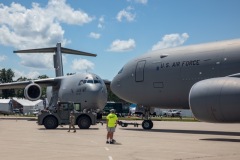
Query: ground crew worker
72	122
112	120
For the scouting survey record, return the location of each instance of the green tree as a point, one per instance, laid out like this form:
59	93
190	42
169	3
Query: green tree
43	76
20	92
6	76
44	89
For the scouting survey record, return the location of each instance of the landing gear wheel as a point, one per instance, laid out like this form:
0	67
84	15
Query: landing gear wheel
84	122
147	124
50	123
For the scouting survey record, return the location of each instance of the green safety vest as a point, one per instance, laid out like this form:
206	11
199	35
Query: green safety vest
112	119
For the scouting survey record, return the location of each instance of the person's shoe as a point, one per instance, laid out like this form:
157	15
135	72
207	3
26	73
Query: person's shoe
68	131
111	142
107	142
74	131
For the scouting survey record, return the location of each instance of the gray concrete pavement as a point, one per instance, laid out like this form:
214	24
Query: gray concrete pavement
25	140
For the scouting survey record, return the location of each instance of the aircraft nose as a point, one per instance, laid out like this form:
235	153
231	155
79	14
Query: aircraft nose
115	86
100	93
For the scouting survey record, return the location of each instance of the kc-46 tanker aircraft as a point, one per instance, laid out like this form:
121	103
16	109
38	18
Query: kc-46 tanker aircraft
87	90
204	78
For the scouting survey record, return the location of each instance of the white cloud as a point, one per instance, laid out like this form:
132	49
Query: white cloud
94	35
30	75
139	1
171	40
126	13
35	60
101	22
36	27
3	58
122	46
82	65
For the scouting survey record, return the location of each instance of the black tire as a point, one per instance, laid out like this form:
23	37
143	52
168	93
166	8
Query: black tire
50	122
147	124
84	122
124	125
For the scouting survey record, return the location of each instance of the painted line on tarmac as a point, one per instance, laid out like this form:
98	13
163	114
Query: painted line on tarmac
110	158
93	142
106	148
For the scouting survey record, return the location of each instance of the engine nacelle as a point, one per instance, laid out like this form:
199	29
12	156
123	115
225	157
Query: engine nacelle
32	92
216	100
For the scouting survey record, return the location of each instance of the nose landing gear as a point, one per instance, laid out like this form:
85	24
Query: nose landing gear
147	123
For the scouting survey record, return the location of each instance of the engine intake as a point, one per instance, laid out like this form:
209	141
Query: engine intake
32	92
216	100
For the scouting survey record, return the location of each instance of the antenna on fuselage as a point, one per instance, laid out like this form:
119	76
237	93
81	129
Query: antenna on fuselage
57	57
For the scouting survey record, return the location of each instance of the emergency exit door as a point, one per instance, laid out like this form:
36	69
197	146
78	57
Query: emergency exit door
139	72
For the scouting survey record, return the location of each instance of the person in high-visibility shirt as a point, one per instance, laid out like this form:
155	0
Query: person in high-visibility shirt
112	120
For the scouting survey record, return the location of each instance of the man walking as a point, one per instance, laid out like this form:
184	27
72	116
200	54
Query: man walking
111	125
72	122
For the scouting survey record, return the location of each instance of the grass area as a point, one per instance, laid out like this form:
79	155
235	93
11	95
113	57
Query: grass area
183	119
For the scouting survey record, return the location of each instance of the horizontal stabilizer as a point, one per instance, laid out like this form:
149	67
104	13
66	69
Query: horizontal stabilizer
54	49
40	50
71	51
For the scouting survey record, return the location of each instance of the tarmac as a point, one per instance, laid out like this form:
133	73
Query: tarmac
22	139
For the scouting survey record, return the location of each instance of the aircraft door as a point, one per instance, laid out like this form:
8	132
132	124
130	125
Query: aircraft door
64	111
139	72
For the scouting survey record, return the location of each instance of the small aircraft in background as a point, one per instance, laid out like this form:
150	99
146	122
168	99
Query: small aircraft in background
204	78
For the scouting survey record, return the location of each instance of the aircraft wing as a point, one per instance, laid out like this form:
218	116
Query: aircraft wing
107	82
22	84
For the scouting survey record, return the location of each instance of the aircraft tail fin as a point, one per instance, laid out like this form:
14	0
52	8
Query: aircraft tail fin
57	57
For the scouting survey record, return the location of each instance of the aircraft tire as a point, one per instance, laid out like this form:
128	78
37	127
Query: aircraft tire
84	122
147	124
50	122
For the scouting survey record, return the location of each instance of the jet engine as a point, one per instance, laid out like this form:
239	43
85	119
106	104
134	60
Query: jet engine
216	100
32	92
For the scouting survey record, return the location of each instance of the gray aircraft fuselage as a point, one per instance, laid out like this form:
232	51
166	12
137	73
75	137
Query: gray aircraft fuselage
87	89
163	78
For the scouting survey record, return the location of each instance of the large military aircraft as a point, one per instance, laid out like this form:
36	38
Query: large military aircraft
204	78
86	89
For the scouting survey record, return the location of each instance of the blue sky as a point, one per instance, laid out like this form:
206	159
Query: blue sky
115	30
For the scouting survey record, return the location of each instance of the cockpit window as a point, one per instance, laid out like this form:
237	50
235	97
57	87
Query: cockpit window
90	81
95	81
120	71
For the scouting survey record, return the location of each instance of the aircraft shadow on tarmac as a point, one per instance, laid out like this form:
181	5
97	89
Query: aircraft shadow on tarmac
66	128
223	133
221	139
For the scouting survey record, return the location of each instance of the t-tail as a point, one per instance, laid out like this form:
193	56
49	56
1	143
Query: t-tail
57	57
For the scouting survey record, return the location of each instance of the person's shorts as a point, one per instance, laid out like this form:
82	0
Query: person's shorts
111	129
